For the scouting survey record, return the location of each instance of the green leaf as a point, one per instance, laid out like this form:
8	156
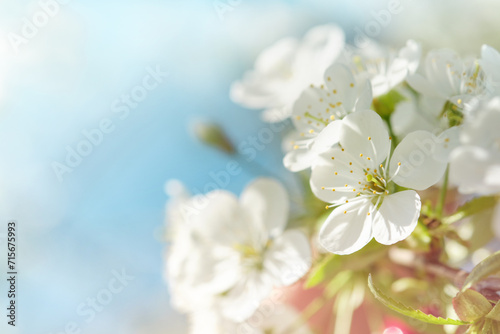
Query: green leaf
470	305
485	268
332	264
470	208
322	271
408	311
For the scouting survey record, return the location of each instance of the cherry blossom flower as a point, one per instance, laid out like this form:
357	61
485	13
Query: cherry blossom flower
236	251
283	70
385	68
318	111
449	78
475	164
361	180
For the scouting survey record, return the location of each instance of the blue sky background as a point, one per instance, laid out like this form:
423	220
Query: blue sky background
108	213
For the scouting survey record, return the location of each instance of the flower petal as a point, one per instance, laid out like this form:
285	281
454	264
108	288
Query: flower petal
328	137
289	257
341	86
345	233
364	132
490	62
328	174
397	217
448	140
266	201
311	112
299	159
319	49
469	168
419	167
239	303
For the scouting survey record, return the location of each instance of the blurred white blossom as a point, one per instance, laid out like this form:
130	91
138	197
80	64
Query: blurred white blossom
233	251
284	69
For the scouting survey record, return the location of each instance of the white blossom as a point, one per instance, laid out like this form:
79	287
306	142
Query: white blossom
318	111
384	67
236	251
361	178
284	69
447	77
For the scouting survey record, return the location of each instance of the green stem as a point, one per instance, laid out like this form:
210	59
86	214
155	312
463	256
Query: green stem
442	195
308	312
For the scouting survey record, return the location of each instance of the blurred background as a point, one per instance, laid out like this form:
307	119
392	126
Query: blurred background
101	216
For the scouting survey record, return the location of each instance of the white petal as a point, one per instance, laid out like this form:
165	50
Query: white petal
278	114
341	85
266	201
253	92
345	233
490	61
219	218
283	51
315	109
245	297
323	176
211	321
448	140
482	127
356	130
421	84
411	53
328	137
407	118
299	159
319	49
289	257
397	217
419	168
469	167
365	96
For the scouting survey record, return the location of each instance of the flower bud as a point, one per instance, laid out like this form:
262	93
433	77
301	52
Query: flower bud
213	135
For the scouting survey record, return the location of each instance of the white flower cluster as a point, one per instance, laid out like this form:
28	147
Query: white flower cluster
372	127
226	258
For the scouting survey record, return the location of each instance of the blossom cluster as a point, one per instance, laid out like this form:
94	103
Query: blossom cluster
372	129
